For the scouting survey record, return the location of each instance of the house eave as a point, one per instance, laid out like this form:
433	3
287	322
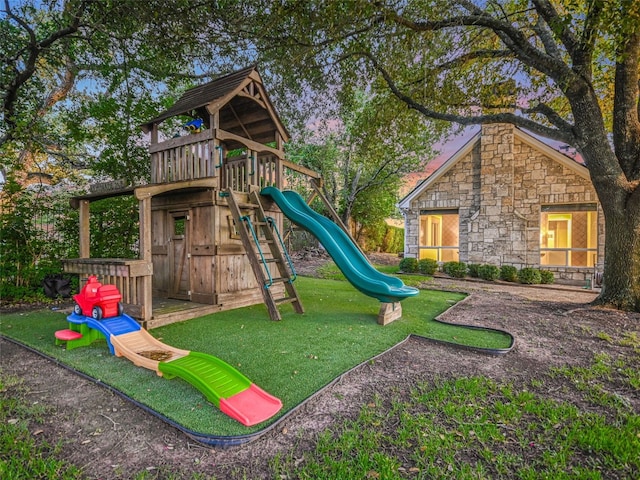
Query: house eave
405	203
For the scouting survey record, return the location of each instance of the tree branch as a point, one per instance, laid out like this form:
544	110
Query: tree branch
626	121
535	127
510	35
551	115
34	50
474	55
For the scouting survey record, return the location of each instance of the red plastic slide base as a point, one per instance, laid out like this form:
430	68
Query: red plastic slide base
251	406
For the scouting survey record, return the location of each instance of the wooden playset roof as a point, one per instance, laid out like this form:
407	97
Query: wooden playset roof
241	100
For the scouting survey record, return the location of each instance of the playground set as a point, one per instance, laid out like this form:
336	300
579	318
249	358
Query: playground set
210	237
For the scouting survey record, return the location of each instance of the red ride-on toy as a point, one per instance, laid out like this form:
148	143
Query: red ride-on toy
98	301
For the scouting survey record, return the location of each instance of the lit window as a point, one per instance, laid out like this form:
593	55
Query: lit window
569	235
439	235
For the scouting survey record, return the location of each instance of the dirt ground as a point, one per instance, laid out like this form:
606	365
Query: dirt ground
111	438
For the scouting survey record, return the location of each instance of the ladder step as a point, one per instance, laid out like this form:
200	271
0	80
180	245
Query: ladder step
272	260
279	279
247	205
283	300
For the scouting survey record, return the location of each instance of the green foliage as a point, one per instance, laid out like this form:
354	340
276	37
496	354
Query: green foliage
409	265
361	169
474	270
383	238
455	269
32	241
529	275
393	241
427	266
489	272
508	273
115	228
38	228
547	277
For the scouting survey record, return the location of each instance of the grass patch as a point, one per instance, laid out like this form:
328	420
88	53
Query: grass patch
21	455
291	359
475	427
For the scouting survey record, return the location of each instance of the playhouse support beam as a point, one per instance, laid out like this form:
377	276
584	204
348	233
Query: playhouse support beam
144	212
85	239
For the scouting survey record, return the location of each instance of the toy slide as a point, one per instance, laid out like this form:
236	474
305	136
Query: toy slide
219	382
353	264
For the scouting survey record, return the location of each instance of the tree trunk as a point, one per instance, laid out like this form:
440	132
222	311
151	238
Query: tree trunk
620	200
621	288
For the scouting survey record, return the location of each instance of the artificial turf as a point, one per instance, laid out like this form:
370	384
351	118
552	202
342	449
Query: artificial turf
291	359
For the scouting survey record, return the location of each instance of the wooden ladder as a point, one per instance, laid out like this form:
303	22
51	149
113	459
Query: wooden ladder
264	246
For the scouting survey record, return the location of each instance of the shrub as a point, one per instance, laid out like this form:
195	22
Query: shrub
489	272
474	270
409	265
530	276
546	277
427	266
455	269
509	273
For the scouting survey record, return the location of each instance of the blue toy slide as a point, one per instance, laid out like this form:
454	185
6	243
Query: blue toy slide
353	264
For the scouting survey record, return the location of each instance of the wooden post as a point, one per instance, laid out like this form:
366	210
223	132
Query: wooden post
279	167
389	312
144	207
85	233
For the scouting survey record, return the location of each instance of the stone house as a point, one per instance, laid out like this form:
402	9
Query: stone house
506	198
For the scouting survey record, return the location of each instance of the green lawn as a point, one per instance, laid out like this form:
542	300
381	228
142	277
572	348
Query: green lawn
291	359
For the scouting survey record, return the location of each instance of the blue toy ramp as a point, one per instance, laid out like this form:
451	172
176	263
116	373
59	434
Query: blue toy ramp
353	264
109	326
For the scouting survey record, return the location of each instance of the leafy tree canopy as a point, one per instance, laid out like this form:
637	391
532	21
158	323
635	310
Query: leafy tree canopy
79	76
564	69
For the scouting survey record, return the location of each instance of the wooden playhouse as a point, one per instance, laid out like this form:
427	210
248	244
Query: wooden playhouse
208	242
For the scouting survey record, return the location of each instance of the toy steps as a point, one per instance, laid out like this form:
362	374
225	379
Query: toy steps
259	236
76	336
224	386
66	335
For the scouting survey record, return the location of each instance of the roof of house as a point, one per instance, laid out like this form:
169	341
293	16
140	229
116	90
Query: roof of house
243	103
468	147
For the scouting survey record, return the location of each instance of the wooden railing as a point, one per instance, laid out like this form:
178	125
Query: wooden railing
128	275
241	172
184	158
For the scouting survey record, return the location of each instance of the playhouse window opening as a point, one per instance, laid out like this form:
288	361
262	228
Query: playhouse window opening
569	235
439	235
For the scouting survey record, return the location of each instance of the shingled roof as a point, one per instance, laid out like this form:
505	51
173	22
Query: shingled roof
219	93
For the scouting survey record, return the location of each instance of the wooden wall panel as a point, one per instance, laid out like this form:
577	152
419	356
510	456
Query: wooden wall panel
235	274
160	257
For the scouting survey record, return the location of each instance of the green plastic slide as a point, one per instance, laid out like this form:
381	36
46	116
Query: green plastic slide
353	264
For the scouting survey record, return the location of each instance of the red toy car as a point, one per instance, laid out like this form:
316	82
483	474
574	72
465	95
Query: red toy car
98	301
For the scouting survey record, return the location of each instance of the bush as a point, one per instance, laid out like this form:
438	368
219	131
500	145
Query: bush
489	272
546	277
474	270
529	276
509	273
409	265
427	266
393	241
455	269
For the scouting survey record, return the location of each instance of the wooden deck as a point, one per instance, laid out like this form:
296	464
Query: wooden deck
169	310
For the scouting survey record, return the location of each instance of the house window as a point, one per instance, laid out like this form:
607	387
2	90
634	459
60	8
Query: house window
439	235
569	235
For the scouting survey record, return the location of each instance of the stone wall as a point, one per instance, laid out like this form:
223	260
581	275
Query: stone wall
498	189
